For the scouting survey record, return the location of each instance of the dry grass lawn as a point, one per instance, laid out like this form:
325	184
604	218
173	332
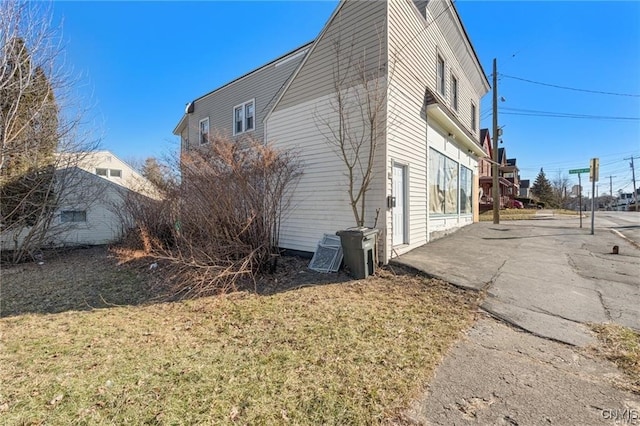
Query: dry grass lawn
621	345
521	214
345	353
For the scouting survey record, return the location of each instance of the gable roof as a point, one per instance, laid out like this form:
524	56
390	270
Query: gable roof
314	44
289	55
501	155
468	40
485	138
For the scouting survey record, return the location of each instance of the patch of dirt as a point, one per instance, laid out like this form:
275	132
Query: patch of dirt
292	272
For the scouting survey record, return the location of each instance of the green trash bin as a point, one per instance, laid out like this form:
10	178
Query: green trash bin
358	248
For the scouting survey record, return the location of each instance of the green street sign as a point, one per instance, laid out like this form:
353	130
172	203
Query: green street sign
578	171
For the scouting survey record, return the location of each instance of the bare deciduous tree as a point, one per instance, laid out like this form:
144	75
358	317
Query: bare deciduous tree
561	191
40	136
355	126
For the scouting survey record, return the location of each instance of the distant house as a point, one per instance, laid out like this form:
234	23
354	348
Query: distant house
626	201
91	188
511	172
505	175
525	189
99	219
425	173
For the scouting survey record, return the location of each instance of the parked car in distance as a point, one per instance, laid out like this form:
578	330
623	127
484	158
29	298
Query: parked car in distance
517	205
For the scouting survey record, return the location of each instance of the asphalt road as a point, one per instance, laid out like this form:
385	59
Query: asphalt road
627	223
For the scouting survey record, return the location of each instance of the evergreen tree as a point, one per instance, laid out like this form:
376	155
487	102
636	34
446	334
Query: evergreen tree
156	173
29	136
542	189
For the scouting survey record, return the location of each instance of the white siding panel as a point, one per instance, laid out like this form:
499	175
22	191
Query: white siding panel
320	203
413	49
358	29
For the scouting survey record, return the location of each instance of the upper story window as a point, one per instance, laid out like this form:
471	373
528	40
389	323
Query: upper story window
114	173
440	75
73	216
454	92
474	114
244	117
204	131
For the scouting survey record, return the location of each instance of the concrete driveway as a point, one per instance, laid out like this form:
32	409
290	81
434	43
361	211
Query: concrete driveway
546	276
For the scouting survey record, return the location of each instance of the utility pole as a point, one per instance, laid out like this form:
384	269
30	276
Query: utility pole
611	191
594	171
494	166
633	176
580	198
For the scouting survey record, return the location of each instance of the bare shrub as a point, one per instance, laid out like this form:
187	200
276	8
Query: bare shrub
220	225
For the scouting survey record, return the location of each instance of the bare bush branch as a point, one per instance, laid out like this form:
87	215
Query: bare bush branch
220	225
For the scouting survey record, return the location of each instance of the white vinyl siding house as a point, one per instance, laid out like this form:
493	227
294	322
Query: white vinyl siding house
91	187
92	212
425	176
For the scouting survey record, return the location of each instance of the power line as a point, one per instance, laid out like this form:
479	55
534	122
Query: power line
535	113
599	92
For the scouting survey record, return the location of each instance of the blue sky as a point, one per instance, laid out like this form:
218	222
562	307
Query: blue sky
140	62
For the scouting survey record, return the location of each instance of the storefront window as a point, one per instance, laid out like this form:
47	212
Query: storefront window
443	184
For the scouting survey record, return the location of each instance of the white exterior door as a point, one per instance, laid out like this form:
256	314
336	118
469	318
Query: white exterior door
398	210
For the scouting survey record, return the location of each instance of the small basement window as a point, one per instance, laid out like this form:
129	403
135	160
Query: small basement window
68	216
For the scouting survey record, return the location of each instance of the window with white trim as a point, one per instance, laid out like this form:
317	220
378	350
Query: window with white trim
102	172
68	216
244	117
454	92
440	75
204	131
474	113
115	173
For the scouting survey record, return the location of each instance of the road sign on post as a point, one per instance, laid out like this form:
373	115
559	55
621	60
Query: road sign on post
578	171
594	169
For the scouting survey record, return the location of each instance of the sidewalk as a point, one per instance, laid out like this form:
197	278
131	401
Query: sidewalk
546	278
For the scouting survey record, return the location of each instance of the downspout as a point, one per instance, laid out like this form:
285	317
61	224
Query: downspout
387	249
426	168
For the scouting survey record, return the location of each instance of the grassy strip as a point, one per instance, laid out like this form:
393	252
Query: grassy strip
352	353
521	214
620	345
509	214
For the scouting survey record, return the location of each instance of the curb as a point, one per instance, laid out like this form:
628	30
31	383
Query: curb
627	239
